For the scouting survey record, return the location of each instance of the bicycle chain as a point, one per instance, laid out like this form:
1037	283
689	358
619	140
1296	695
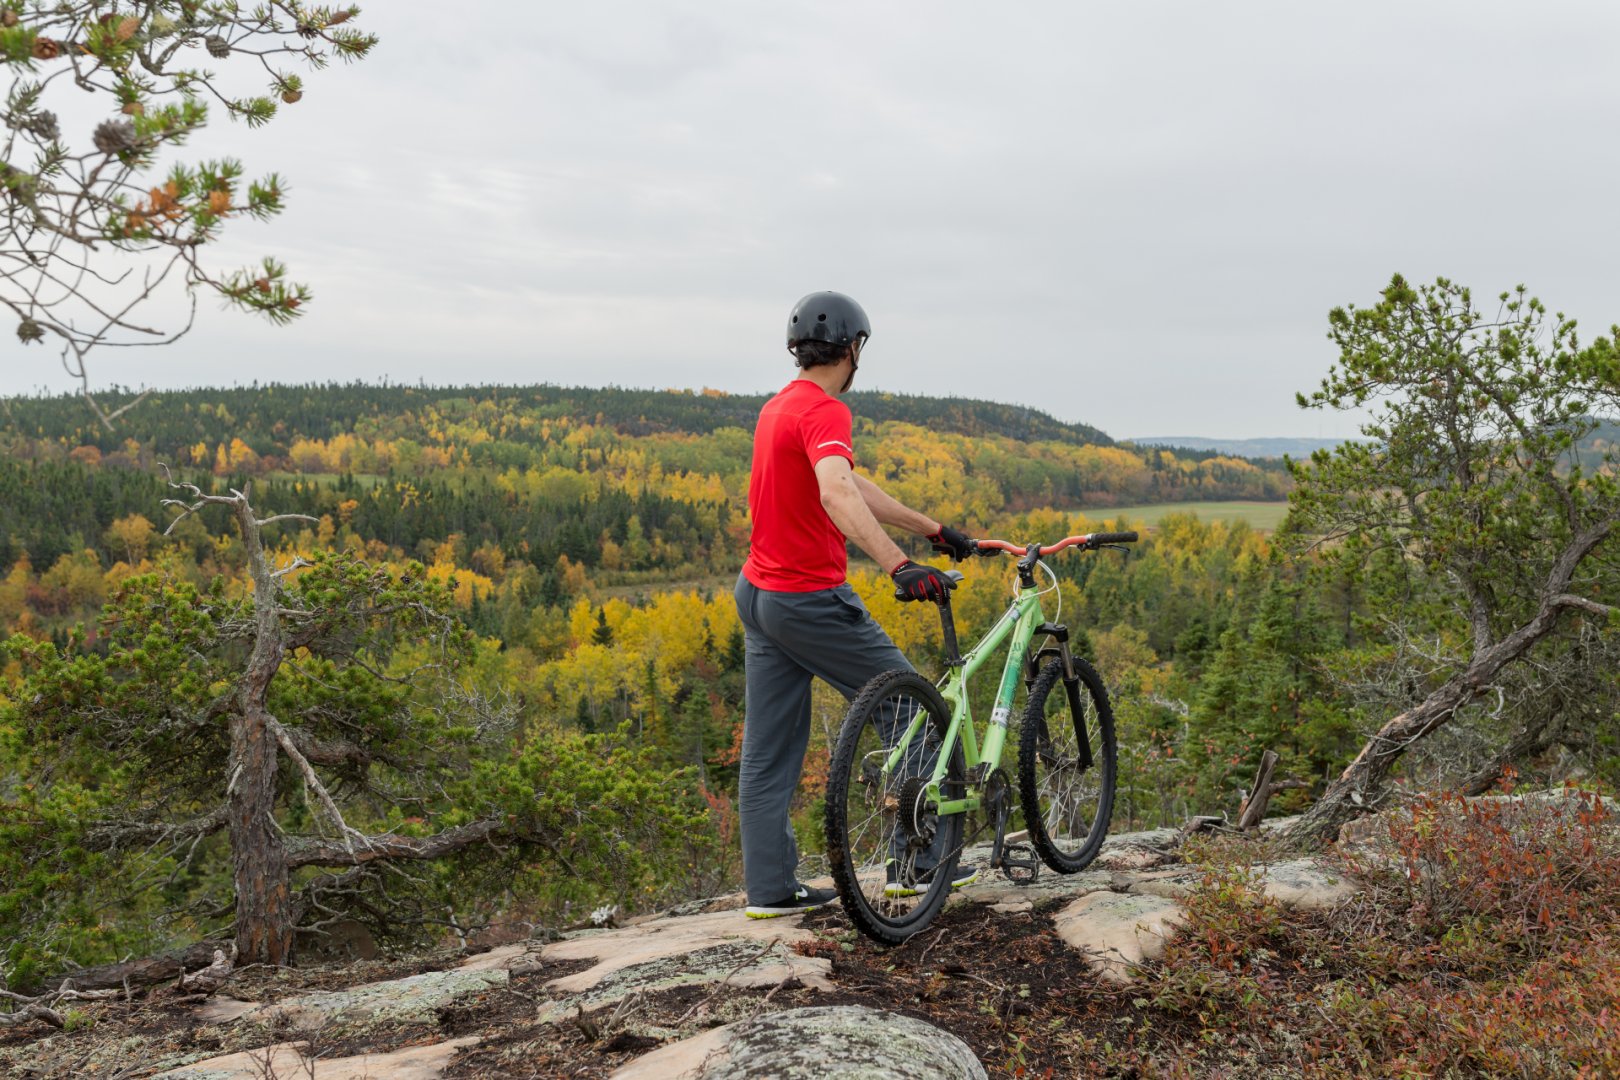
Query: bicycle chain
1030	865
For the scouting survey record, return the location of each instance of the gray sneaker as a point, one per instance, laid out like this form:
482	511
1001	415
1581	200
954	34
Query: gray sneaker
965	875
805	899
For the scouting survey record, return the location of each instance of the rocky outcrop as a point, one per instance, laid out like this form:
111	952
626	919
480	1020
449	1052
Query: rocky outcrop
288	1060
676	951
1118	914
1117	932
849	1042
413	999
1307	884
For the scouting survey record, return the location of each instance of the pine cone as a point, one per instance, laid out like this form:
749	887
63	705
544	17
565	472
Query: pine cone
29	330
217	46
113	136
8	18
46	49
43	124
292	97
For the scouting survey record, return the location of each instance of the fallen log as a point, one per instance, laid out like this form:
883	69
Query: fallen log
208	979
1200	823
143	972
32	1012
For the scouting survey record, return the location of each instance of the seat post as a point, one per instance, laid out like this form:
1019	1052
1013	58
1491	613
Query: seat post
947	625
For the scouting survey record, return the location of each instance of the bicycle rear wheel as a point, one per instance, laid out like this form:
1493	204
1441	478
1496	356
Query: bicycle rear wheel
1066	766
892	856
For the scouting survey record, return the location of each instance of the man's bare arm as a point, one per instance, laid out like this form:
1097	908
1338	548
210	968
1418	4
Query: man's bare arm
891	511
841	497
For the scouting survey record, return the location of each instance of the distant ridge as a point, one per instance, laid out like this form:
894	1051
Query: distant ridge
1244	448
311	409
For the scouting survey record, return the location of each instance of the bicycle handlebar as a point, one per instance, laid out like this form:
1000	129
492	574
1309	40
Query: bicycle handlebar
1085	541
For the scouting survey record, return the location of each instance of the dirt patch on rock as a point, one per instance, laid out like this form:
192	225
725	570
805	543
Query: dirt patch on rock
155	1033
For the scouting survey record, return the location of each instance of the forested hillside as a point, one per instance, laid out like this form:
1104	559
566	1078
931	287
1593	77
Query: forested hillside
589	539
618	481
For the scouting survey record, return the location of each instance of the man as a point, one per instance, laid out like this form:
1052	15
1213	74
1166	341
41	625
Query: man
800	616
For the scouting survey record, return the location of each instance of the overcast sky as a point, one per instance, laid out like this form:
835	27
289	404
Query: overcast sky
1135	215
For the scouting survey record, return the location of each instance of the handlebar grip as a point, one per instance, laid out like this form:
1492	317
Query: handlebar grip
906	598
1114	538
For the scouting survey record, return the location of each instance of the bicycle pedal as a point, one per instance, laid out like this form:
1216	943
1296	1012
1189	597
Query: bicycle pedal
1020	864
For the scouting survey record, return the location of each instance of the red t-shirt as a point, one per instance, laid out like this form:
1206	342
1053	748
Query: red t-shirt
795	547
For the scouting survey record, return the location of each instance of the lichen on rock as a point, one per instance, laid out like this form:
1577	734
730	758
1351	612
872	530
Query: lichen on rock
839	1042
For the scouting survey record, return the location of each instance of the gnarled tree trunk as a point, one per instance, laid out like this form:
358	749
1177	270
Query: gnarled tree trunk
264	927
1361	785
264	914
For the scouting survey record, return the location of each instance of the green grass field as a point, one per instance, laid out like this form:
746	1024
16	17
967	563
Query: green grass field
366	481
1265	516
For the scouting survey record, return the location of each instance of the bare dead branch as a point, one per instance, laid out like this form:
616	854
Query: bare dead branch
302	851
140	972
262	522
298	563
1587	605
312	783
113	834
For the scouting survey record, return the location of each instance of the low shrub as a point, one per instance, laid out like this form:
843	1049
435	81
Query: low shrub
1483	944
1520	871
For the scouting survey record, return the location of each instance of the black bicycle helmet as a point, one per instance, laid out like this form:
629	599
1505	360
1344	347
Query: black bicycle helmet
827	316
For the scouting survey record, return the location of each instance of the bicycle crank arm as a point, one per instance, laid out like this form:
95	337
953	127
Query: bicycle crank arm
998	845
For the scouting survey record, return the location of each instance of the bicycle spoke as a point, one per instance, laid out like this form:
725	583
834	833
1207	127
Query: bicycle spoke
880	820
1072	790
1066	800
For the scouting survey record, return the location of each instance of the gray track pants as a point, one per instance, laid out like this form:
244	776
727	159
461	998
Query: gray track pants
792	637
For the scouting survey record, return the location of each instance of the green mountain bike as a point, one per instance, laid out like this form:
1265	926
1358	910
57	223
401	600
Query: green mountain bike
909	767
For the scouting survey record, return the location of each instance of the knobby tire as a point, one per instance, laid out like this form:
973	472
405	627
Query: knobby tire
1051	786
856	799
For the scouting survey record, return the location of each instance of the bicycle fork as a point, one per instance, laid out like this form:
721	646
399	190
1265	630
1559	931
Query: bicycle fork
1058	646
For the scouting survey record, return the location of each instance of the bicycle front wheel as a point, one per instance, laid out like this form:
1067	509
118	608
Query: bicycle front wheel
1066	766
893	855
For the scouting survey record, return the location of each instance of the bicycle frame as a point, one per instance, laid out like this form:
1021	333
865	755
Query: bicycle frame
1018	623
888	833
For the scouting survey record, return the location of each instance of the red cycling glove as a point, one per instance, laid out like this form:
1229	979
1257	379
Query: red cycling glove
950	542
913	581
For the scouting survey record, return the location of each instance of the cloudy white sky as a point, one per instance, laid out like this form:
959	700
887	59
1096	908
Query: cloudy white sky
1135	215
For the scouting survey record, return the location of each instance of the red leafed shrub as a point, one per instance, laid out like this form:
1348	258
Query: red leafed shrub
47	600
1485	942
1556	1017
1527	866
817	946
725	814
